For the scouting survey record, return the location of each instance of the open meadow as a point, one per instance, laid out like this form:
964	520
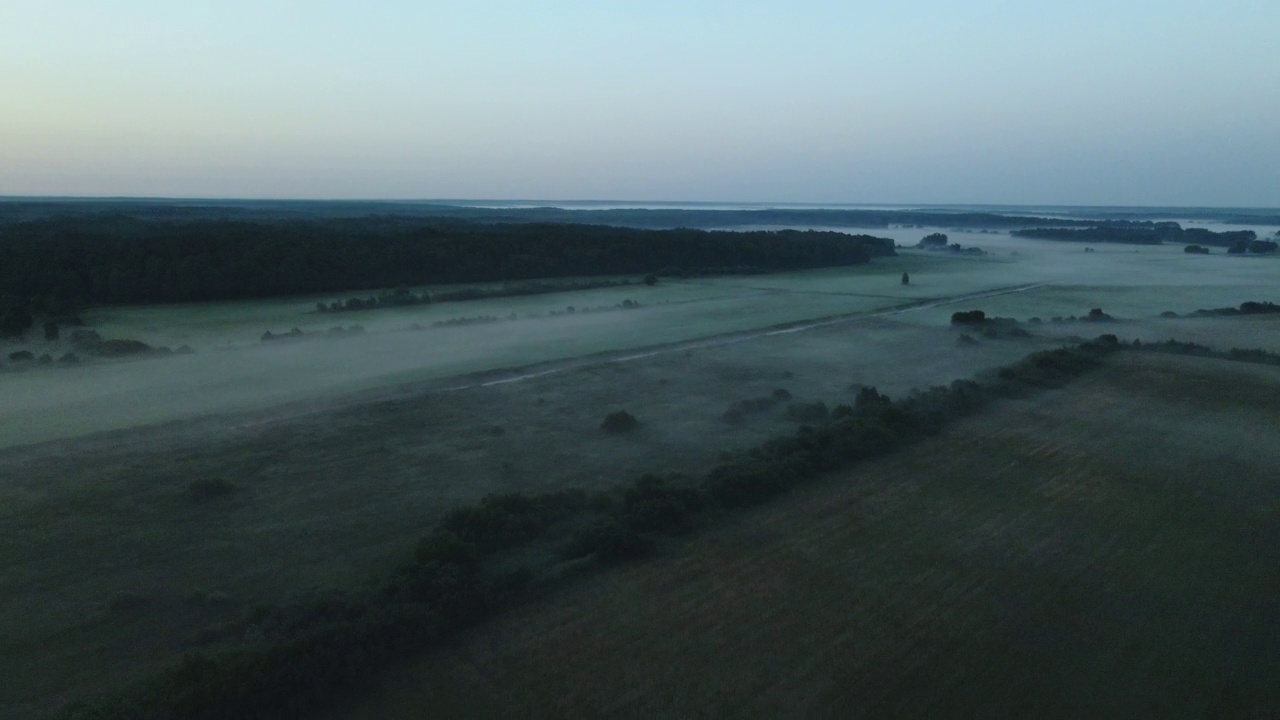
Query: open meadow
144	500
232	370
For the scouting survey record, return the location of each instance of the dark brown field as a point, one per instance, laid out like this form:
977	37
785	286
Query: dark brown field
1107	550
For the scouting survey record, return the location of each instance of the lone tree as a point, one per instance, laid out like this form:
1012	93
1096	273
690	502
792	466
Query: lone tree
906	279
619	422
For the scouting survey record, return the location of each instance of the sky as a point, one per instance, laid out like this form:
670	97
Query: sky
1172	102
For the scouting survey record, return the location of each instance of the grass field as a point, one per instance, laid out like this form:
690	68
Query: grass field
233	371
111	569
1109	550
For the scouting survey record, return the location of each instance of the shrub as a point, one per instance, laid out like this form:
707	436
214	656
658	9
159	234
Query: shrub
869	398
120	348
619	422
736	484
502	521
661	504
85	339
969	317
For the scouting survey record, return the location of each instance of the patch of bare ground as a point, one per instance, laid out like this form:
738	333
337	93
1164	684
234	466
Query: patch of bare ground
1107	550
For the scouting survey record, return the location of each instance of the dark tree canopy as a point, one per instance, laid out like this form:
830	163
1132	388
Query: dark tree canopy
114	258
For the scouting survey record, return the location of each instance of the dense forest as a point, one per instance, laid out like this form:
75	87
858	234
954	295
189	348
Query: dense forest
52	266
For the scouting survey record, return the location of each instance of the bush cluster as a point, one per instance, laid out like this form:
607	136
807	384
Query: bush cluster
619	422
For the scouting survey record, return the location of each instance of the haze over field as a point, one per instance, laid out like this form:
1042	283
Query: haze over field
234	370
1164	103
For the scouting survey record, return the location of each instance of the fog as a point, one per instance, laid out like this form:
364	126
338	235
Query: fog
233	370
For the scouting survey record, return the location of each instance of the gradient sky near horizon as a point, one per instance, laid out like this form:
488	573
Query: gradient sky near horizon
1174	102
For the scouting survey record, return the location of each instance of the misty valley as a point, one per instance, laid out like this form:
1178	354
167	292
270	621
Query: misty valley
365	460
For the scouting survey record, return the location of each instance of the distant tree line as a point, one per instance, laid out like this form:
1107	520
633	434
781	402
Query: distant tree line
1152	233
710	216
1241	246
1251	307
54	265
403	296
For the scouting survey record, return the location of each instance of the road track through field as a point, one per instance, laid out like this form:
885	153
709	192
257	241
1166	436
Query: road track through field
498	376
736	338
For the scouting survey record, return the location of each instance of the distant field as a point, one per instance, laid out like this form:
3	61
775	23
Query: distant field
1109	550
233	371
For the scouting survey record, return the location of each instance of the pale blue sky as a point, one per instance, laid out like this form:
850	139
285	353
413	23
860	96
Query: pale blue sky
1174	102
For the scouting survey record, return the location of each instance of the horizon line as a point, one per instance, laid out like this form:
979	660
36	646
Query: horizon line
552	202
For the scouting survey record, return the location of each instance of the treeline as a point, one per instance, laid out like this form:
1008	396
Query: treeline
53	265
480	558
712	216
1246	308
1174	347
1153	233
404	297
